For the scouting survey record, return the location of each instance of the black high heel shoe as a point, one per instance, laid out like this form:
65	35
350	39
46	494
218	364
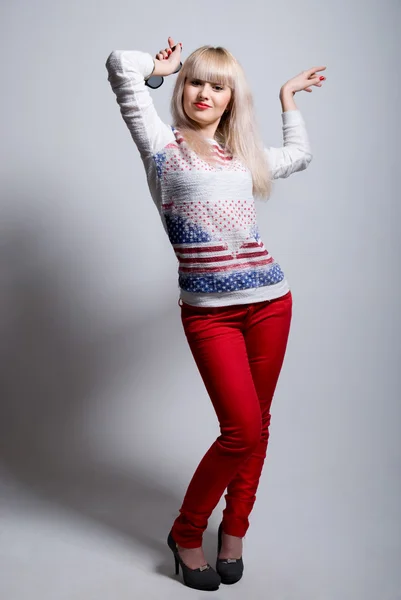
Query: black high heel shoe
229	569
205	578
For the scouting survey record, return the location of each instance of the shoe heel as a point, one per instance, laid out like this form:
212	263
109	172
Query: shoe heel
204	578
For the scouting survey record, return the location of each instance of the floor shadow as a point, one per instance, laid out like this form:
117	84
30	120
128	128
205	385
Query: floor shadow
52	361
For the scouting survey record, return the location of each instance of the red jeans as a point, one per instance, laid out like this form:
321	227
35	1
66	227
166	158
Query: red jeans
239	351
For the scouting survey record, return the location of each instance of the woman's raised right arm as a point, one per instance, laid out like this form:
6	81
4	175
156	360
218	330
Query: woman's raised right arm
127	71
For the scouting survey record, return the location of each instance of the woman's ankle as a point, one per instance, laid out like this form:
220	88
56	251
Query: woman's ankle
194	558
231	546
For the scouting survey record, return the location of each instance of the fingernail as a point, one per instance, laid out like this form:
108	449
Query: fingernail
321	77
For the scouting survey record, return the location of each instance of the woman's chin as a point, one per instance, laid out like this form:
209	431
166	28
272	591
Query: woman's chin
199	118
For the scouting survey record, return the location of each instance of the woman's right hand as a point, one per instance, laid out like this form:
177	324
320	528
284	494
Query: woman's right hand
168	60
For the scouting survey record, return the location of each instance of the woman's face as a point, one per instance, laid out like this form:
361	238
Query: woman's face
205	102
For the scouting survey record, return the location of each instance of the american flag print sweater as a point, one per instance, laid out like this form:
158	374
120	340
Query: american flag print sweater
208	212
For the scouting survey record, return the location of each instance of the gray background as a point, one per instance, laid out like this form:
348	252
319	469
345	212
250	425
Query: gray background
103	415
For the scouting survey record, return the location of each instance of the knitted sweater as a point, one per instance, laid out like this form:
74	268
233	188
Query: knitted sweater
208	212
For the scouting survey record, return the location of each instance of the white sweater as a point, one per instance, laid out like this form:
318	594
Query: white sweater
208	212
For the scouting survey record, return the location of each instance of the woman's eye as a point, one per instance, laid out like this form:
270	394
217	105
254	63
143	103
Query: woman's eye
217	87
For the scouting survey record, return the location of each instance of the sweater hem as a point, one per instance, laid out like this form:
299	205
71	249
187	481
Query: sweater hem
248	296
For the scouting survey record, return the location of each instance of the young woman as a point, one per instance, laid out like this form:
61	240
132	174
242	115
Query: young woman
204	173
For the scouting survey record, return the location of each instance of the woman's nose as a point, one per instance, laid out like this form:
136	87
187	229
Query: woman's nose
203	91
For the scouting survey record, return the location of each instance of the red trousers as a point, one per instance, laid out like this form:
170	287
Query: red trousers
239	351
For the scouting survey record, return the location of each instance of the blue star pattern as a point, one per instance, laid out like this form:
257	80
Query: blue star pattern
160	159
255	232
182	231
239	280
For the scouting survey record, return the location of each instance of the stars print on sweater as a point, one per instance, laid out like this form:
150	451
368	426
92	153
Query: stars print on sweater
216	239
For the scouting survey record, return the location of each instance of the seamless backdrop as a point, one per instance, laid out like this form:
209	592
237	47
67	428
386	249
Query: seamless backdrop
98	389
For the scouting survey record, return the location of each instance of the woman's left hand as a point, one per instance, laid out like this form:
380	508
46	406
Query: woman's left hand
304	80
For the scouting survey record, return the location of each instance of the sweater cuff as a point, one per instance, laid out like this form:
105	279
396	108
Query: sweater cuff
148	66
292	117
136	60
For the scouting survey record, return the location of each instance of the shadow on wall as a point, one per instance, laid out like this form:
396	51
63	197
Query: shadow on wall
52	361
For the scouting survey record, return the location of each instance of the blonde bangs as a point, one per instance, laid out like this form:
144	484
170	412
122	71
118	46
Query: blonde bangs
213	65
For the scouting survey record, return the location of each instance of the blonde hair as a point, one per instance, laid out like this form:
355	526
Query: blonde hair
237	129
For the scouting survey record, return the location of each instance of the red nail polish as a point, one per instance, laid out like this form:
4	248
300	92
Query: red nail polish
321	77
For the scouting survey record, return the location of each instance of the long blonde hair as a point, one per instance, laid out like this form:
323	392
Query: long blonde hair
237	130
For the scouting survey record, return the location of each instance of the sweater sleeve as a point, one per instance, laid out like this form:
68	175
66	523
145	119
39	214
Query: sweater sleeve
127	70
295	154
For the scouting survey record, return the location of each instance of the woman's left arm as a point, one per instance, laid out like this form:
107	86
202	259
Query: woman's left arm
295	154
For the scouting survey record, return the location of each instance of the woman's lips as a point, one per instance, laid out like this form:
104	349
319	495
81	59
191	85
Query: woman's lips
202	106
